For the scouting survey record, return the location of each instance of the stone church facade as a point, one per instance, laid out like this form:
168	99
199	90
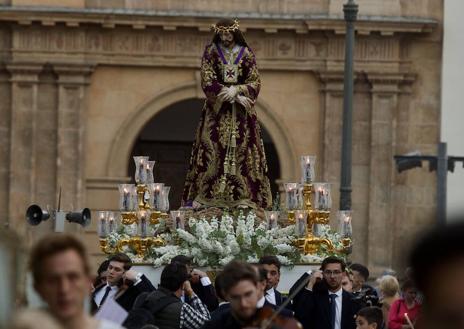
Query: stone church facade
79	83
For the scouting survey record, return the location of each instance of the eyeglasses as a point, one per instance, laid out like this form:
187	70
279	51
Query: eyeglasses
330	273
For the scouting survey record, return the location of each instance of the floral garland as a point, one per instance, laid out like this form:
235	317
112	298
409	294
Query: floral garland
215	242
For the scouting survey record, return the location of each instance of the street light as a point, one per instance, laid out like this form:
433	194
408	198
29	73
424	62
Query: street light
442	163
350	10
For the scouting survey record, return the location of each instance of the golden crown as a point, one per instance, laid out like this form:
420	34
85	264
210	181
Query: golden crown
222	29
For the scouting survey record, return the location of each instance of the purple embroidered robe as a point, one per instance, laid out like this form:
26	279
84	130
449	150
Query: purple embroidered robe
249	186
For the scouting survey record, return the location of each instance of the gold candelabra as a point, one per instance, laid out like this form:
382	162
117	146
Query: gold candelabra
141	205
311	243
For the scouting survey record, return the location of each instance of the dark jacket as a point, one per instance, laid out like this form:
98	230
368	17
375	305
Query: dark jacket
312	308
207	295
225	308
125	297
169	316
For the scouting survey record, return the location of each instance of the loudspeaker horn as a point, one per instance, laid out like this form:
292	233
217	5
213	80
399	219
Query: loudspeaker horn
35	215
83	217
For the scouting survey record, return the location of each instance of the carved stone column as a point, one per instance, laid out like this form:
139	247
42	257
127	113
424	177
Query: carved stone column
72	103
22	159
384	98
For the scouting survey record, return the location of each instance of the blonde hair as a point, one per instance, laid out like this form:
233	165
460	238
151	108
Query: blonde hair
389	285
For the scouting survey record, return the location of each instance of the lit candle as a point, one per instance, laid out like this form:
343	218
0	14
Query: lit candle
125	200
320	200
143	223
156	197
111	224
408	320
103	232
307	177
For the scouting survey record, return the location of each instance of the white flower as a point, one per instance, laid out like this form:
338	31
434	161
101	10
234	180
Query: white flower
284	260
226	260
252	259
188	237
283	248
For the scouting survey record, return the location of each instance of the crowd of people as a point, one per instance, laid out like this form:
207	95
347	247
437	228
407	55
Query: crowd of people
243	295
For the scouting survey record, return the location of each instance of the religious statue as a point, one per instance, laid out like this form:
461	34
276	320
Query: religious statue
228	166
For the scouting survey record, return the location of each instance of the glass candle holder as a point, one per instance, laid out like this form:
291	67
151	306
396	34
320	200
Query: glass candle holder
156	197
143	222
345	228
150	166
301	223
272	217
322	196
317	230
141	169
307	163
112	222
126	197
291	190
165	199
178	219
102	227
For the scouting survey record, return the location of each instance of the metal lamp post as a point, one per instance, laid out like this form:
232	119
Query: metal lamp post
350	10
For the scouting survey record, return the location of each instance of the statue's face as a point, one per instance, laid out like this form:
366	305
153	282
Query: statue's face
227	39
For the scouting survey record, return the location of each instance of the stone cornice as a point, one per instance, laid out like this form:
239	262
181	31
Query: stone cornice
73	74
270	23
24	72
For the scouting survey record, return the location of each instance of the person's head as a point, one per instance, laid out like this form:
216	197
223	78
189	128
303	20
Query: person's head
173	277
61	274
240	287
272	265
187	261
332	269
227	32
437	262
347	283
262	279
369	318
409	290
360	275
388	286
118	264
102	273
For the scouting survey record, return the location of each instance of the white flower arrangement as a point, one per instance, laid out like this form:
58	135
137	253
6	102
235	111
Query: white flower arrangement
215	242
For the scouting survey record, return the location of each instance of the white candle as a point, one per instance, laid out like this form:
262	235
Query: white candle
308	178
408	320
125	200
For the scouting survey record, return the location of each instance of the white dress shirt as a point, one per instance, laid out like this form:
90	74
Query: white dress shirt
338	308
261	302
270	296
99	295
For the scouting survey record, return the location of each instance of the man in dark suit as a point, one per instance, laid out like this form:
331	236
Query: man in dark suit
122	284
200	282
323	304
272	266
242	288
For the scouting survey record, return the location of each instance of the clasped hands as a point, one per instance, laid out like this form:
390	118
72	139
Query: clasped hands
231	95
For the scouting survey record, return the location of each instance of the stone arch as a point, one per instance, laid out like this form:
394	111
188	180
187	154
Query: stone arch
123	142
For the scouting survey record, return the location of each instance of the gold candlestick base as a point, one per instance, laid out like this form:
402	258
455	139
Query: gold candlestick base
291	217
129	217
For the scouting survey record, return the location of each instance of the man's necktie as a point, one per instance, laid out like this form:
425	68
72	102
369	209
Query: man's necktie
107	291
332	309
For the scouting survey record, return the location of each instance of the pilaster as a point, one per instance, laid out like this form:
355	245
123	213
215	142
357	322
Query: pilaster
72	83
22	160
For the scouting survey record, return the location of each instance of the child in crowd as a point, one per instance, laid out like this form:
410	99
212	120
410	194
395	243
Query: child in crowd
369	318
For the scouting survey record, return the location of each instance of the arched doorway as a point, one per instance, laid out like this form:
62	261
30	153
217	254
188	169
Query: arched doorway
167	138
